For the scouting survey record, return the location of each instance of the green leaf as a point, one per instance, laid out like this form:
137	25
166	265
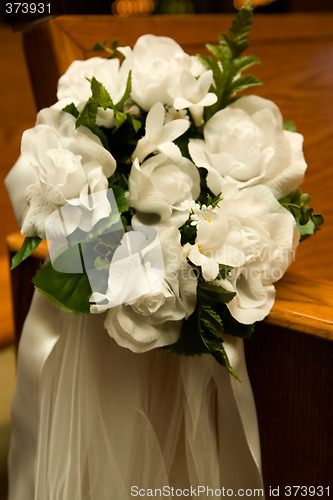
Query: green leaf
244	63
112	51
240	29
190	342
188	233
119	118
99	46
87	117
214	345
210	319
317	219
127	93
232	327
297	204
100	134
288	125
306	229
68	292
29	245
210	299
244	82
136	124
213	288
71	109
100	95
228	52
120	197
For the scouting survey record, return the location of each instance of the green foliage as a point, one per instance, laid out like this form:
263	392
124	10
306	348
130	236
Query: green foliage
72	110
228	62
68	292
232	326
214	344
87	117
112	50
297	204
288	125
120	197
188	233
202	332
100	98
210	298
213	200
29	245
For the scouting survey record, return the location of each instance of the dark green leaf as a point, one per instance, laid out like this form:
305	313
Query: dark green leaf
127	93
214	345
87	117
190	342
232	326
317	219
210	299
68	292
29	245
210	319
99	46
100	134
120	197
240	29
72	110
212	288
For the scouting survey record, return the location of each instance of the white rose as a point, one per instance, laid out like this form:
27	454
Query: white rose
74	84
70	163
250	231
245	143
159	187
154	318
157	63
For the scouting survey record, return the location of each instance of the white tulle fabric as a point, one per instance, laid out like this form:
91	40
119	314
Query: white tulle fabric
92	419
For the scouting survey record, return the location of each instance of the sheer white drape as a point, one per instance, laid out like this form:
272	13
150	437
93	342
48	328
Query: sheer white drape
91	419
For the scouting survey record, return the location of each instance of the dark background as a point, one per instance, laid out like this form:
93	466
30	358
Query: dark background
59	7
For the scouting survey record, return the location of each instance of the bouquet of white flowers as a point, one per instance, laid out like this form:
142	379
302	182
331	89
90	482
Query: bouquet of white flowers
172	204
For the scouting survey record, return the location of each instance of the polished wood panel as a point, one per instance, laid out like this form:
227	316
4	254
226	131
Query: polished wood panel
304	304
17	111
291	378
21	286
